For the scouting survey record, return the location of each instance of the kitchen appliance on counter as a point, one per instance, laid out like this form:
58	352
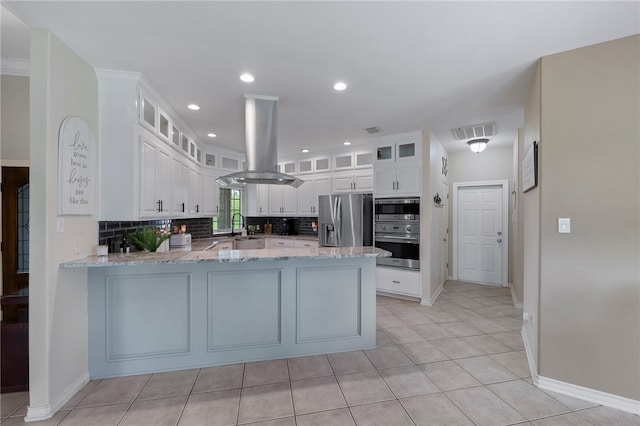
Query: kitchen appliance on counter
397	229
180	242
345	220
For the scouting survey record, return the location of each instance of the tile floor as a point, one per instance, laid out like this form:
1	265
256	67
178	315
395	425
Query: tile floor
461	362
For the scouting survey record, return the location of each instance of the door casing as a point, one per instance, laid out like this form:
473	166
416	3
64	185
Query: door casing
504	184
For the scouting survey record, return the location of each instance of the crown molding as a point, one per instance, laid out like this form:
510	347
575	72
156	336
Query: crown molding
15	66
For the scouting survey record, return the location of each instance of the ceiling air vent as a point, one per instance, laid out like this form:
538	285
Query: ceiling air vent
475	131
373	130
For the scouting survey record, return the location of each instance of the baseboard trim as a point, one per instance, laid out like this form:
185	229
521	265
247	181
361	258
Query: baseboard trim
519	305
608	400
38	412
530	358
44	412
598	397
429	301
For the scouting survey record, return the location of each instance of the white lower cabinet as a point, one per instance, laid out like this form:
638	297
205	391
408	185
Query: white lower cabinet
155	180
399	281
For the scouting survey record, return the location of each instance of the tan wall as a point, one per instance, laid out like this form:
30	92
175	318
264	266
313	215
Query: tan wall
590	169
62	84
529	221
14	118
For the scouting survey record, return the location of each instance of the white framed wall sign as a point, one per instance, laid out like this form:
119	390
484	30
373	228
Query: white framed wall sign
76	168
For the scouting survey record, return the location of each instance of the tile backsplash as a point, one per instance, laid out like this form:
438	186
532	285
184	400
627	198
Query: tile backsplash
111	233
283	225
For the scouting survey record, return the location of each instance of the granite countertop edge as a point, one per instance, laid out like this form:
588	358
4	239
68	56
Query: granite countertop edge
224	256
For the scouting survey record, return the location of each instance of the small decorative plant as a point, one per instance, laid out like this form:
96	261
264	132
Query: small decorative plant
148	238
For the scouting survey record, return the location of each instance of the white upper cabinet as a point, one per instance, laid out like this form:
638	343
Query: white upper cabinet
148	113
179	187
283	200
310	190
353	181
210	193
164	126
354	160
397	165
155	179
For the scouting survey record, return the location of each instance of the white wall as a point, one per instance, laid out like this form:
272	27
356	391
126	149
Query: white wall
14	117
436	275
62	84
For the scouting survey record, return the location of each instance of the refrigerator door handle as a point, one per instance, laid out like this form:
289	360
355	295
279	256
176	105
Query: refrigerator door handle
338	221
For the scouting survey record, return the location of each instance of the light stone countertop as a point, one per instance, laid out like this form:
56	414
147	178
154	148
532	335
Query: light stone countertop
182	257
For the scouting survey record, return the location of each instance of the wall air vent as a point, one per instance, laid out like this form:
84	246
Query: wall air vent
475	131
373	130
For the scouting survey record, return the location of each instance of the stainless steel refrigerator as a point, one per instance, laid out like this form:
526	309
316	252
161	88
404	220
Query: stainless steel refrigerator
345	220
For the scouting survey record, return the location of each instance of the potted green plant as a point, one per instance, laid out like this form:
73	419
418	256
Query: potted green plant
148	238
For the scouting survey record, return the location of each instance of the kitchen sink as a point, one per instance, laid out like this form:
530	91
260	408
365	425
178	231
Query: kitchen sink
247	238
249	243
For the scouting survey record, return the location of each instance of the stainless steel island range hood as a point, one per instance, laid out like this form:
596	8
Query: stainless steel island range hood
261	119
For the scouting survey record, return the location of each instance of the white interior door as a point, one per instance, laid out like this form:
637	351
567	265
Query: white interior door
480	234
445	232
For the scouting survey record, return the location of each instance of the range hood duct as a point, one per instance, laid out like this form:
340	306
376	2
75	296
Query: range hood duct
261	119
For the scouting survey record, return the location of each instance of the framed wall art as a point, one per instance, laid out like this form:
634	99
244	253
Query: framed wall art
530	168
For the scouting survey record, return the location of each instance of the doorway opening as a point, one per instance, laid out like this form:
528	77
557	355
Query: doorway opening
14	328
480	232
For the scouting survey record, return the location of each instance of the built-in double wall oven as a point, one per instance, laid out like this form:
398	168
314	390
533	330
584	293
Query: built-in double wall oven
397	229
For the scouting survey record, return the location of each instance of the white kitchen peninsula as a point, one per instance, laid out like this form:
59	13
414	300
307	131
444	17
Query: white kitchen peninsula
152	312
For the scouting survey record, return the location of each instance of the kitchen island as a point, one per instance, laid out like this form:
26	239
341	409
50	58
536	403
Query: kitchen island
151	312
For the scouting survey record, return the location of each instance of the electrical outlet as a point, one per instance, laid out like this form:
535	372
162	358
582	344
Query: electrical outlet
527	318
76	247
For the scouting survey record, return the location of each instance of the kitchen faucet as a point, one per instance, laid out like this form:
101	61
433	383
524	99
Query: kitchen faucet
241	222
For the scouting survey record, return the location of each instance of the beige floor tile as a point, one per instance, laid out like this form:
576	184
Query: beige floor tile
570	419
219	378
432	331
265	372
467	302
382	339
318	394
434	410
570	402
509	322
527	399
456	348
104	415
486	370
441	316
513	339
388	321
487	325
364	388
350	362
422	352
341	417
220	408
403	335
154	412
80	395
483	407
605	416
11	402
307	367
486	344
381	310
516	362
117	390
466	315
460	329
266	402
448	375
166	385
285	421
408	381
381	414
388	356
53	421
414	318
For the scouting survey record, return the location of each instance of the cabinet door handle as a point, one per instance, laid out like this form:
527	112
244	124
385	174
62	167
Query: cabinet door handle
395	282
397	185
182	207
159	203
217	209
197	208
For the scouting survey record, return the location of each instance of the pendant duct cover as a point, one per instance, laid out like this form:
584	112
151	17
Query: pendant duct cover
261	138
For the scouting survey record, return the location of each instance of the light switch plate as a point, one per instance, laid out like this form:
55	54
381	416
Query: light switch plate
564	225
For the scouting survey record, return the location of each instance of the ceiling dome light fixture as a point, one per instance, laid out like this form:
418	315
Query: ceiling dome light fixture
305	150
211	135
339	86
346	143
478	145
193	107
247	78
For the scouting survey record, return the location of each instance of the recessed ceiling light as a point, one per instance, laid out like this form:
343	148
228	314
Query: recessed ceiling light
247	78
305	150
211	135
347	143
340	85
193	107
